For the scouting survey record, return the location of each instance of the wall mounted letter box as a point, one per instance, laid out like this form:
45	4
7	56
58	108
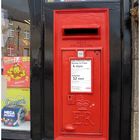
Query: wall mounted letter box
81	74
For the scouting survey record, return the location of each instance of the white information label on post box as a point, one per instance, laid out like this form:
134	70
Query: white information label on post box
80	75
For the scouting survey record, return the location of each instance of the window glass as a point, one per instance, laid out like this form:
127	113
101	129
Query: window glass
15	105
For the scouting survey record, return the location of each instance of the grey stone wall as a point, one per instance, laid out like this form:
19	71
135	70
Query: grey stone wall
135	80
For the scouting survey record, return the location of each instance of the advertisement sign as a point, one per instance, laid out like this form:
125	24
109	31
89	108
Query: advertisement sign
17	96
16	106
17	71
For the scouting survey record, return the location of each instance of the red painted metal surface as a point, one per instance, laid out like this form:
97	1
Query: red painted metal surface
81	74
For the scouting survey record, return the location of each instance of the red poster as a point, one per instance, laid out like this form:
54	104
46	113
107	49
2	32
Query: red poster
17	71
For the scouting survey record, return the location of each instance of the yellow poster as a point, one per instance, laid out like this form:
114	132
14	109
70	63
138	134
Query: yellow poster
18	96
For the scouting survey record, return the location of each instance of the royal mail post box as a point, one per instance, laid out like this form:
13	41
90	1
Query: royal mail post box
81	74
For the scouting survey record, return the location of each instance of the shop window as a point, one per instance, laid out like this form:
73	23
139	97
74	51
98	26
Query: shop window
15	92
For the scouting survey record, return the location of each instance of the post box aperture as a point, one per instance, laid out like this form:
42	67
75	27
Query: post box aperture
81	74
80	31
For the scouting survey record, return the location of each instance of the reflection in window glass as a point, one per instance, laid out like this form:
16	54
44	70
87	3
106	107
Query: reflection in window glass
26	52
27	35
15	105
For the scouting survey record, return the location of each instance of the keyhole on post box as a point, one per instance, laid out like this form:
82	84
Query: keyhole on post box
71	99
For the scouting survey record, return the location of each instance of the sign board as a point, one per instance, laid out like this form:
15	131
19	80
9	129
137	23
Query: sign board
80	75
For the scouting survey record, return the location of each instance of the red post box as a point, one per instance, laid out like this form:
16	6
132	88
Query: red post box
81	74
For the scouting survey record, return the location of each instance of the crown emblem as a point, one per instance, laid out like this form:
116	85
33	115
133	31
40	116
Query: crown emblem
82	104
